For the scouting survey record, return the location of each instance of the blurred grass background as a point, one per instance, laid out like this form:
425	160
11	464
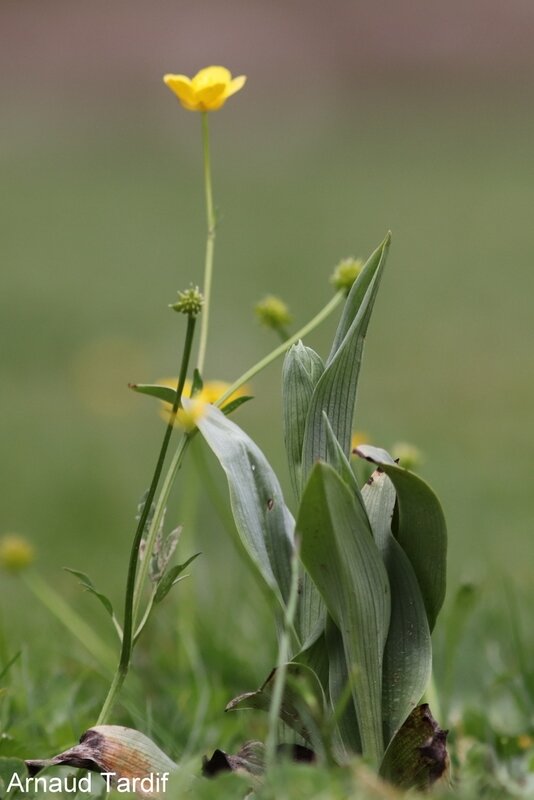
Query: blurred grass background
356	118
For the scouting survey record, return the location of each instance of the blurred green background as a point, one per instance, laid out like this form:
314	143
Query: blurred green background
357	118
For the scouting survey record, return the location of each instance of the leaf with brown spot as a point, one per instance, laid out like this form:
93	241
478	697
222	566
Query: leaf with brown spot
111	748
250	759
417	757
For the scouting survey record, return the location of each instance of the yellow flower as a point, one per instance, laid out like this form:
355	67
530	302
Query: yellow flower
187	418
209	394
16	553
208	90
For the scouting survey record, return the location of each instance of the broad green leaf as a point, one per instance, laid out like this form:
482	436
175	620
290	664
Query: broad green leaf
339	461
303	701
335	392
302	369
263	521
417	757
171	577
339	685
408	651
342	558
87	584
311	612
420	530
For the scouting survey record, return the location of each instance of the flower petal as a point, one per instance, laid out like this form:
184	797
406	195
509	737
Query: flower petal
210	76
235	85
209	96
182	87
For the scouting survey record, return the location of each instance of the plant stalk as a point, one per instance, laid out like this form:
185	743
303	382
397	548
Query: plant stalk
210	244
128	638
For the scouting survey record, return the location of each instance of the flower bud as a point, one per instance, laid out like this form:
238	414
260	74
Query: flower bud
346	273
189	302
16	553
273	312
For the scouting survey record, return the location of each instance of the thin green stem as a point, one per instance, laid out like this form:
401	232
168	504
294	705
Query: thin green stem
127	637
210	244
281	349
283	656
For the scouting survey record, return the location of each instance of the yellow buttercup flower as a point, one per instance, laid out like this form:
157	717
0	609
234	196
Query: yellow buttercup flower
187	418
208	90
209	394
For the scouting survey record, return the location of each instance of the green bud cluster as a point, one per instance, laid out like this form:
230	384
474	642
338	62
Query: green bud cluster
346	273
273	312
189	302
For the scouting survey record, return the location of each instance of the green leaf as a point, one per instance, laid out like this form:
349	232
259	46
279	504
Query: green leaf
408	652
263	521
335	392
337	458
417	757
198	383
341	556
230	407
303	701
87	584
420	529
302	369
164	393
171	577
339	684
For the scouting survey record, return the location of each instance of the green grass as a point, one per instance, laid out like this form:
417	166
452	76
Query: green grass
100	232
